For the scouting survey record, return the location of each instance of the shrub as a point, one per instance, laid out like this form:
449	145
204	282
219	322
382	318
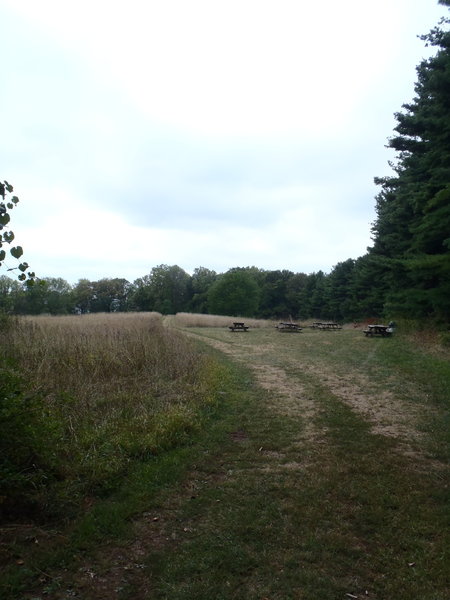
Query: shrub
444	338
28	438
88	394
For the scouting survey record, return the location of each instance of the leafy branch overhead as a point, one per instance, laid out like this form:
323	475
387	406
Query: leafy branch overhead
7	204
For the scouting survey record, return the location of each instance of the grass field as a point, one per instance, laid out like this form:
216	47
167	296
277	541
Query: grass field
321	471
87	395
182	320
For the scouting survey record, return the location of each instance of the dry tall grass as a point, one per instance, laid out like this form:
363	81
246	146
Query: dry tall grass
112	386
95	355
199	320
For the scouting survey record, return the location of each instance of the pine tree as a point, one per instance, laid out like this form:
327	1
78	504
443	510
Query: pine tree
412	229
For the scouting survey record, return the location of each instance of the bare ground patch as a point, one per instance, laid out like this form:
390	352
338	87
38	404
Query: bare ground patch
287	396
388	414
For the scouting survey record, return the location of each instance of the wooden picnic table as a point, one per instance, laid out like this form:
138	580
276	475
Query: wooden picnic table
383	330
238	326
288	327
326	326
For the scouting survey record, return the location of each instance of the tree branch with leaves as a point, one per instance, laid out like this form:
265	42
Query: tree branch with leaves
7	203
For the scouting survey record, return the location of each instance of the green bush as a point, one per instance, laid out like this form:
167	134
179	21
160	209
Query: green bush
83	399
27	440
444	338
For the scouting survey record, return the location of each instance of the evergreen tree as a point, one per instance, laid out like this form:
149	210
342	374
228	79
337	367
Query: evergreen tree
273	294
317	295
412	229
368	287
339	286
295	296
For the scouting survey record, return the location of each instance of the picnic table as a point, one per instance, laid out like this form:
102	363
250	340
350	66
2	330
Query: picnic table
326	326
238	327
288	327
383	330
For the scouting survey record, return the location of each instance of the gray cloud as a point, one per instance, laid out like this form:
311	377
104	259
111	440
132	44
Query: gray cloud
88	139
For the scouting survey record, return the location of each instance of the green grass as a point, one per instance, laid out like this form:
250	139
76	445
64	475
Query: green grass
355	519
143	487
359	518
251	506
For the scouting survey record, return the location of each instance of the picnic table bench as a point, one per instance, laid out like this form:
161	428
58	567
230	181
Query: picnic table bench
326	326
288	327
383	330
238	327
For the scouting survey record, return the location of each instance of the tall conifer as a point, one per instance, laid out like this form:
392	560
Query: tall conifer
412	229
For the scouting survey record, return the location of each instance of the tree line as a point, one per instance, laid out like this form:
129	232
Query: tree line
168	289
411	253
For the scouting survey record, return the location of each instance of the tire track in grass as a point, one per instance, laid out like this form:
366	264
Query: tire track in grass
353	515
389	413
288	395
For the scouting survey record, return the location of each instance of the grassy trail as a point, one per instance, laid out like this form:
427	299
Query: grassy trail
324	476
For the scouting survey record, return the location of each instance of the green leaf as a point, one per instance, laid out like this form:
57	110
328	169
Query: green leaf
8	236
15	199
17	251
23	266
2	255
4	219
22	277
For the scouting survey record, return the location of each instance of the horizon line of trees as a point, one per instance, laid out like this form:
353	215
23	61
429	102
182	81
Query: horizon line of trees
341	295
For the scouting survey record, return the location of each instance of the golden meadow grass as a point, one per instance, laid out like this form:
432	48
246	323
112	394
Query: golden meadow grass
111	387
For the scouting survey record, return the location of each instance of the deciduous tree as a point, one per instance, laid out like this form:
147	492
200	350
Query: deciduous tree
7	203
164	290
235	293
201	280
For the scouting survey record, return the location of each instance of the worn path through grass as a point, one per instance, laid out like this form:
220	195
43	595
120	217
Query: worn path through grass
325	477
340	486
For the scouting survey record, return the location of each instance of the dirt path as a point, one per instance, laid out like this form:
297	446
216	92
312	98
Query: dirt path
390	414
288	395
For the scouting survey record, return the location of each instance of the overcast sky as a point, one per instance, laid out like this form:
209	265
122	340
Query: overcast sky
200	132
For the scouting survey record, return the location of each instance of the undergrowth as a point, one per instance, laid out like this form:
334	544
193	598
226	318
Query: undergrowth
81	397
